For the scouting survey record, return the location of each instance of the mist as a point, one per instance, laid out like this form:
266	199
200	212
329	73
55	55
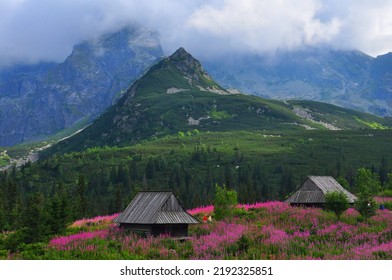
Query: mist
46	30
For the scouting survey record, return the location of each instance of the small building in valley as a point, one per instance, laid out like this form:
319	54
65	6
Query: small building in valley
313	190
155	213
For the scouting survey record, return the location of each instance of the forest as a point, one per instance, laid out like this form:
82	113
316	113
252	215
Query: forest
39	200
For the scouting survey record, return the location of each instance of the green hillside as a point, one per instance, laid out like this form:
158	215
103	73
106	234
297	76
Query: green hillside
177	95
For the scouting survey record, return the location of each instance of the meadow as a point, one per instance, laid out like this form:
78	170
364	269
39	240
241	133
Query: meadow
268	230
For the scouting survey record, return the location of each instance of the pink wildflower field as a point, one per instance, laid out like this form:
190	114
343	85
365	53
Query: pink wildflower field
380	199
271	230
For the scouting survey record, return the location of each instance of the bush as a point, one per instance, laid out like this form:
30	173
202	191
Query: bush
32	251
336	202
244	243
388	205
386	193
240	212
366	206
225	202
14	241
368	184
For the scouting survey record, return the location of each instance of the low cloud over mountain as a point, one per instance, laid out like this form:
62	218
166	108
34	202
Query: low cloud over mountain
32	31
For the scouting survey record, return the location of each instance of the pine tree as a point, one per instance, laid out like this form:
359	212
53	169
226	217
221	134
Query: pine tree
3	221
113	175
123	176
383	171
150	169
56	216
228	176
81	197
118	200
33	223
133	170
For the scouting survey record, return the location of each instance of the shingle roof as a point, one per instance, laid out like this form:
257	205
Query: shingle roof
324	184
148	208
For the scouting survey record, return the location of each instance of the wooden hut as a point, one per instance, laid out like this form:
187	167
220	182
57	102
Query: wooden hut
155	213
313	190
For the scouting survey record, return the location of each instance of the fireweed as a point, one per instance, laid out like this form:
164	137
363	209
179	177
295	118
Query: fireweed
380	199
270	230
96	220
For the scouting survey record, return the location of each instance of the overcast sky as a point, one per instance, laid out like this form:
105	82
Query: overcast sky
34	30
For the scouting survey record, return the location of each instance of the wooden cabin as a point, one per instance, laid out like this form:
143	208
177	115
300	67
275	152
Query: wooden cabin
155	213
313	190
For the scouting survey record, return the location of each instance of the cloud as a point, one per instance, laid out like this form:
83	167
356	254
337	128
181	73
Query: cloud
264	25
33	30
366	25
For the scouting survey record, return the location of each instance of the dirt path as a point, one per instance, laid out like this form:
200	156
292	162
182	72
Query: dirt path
33	155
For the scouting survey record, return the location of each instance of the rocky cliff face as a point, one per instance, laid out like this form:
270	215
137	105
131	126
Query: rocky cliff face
39	100
381	77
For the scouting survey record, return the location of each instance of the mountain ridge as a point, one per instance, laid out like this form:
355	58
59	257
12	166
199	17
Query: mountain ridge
151	108
39	100
346	78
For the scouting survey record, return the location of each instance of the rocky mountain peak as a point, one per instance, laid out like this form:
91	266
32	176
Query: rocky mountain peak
182	55
186	64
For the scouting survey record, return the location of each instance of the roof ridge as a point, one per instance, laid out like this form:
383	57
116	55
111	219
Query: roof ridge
324	184
155	191
147	206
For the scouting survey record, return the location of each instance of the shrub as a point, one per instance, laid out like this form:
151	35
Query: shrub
366	206
240	212
15	240
368	184
225	202
388	205
336	202
244	243
386	193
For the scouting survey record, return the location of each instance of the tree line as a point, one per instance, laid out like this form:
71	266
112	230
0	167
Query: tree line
40	200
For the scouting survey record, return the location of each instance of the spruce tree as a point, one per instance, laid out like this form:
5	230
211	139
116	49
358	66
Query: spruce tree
81	193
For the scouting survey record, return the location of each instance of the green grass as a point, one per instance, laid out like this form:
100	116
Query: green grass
373	125
4	161
343	118
219	115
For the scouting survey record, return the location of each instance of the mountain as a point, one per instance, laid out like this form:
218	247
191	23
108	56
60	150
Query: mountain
381	75
177	95
39	100
346	78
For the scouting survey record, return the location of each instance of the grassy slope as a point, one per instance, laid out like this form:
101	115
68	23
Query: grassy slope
160	115
344	118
